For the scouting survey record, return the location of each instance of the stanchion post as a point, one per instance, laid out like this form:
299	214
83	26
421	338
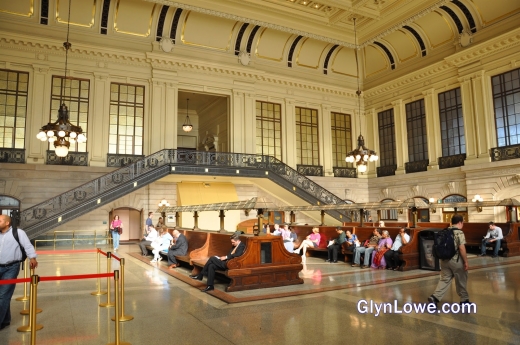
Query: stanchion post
28	311
24	297
116	316
32	326
98	292
108	304
123	317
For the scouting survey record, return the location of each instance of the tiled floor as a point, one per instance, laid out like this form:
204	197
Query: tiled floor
167	310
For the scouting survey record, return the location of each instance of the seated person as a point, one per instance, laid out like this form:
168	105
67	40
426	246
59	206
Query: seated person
180	247
335	245
384	244
147	240
162	242
367	249
289	236
220	263
351	240
276	230
495	235
311	241
392	255
381	224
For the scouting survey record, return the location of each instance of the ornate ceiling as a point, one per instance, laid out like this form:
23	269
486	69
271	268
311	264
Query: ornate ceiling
313	39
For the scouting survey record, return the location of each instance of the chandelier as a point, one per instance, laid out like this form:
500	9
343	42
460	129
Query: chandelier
164	202
187	127
62	133
361	155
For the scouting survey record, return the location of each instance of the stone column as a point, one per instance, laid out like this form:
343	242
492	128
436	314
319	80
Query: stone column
433	131
97	140
38	113
400	136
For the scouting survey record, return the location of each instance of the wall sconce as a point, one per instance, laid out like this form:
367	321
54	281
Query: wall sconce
401	211
478	199
432	202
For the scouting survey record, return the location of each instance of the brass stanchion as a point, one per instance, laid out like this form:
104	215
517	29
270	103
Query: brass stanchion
28	311
108	304
25	297
32	326
123	317
116	317
98	292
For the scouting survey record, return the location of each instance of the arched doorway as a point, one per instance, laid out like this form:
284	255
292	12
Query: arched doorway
8	204
449	212
132	222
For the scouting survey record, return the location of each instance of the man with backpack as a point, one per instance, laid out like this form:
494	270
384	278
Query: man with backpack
450	248
13	247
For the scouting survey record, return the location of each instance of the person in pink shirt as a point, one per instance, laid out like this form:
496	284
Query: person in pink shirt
311	241
117	228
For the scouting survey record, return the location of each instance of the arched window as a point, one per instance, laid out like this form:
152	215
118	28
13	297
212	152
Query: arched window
7	204
388	214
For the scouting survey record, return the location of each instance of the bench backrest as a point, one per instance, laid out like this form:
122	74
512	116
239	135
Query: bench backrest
196	239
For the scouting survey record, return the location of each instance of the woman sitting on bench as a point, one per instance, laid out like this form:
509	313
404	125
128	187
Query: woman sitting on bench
311	241
161	243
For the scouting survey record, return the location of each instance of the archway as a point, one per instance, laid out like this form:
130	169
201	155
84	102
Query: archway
132	222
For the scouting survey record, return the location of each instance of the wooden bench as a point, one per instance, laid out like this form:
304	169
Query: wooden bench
475	232
265	263
195	239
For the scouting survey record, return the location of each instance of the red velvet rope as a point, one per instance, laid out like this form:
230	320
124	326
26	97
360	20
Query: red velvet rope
48	279
116	257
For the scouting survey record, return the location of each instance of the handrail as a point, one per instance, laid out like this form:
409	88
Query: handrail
108	187
74	238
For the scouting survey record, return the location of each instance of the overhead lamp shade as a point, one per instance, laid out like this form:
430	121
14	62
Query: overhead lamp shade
61	151
362	168
187	128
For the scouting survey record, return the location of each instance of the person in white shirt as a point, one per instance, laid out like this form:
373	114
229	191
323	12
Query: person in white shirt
494	235
147	241
10	259
392	256
160	243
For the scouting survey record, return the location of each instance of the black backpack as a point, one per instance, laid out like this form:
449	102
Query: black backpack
444	244
14	221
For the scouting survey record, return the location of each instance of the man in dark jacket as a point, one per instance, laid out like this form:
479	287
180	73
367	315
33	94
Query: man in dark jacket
179	248
220	263
335	245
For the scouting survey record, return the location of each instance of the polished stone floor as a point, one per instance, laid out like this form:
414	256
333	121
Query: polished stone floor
327	309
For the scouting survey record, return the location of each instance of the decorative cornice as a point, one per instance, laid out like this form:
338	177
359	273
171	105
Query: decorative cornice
409	79
166	62
492	46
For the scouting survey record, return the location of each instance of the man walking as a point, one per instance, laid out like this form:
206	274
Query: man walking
456	267
10	259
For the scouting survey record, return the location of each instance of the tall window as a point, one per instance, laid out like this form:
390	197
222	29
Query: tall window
416	130
13	108
269	129
506	100
307	143
387	149
75	93
452	123
341	138
126	119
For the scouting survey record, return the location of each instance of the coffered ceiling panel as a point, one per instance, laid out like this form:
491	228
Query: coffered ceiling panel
375	61
311	53
134	17
19	7
208	31
82	12
403	45
272	44
344	62
493	10
437	29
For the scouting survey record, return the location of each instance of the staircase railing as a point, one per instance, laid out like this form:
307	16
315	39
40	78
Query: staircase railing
104	189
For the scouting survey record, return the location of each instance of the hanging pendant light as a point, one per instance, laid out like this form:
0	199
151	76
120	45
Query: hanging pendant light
62	133
187	127
361	155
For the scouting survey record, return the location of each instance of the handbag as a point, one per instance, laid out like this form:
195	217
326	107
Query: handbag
118	229
367	242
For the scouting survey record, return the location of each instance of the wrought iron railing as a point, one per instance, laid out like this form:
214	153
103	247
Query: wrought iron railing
100	191
73	158
12	155
504	153
310	170
118	160
452	161
418	166
344	172
388	170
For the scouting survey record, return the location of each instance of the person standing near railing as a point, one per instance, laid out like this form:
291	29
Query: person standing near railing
11	255
117	229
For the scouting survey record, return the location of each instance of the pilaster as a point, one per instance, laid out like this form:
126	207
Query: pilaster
289	133
38	114
400	136
97	142
324	124
432	128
